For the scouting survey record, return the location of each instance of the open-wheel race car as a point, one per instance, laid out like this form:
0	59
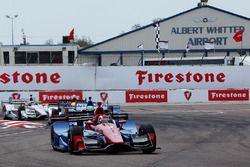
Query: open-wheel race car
101	132
56	111
22	109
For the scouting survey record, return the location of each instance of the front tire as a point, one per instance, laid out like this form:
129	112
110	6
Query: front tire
73	131
150	132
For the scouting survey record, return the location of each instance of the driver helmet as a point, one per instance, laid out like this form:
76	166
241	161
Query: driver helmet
99	104
100	119
90	108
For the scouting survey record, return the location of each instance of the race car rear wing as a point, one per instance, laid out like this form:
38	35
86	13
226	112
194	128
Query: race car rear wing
71	115
119	117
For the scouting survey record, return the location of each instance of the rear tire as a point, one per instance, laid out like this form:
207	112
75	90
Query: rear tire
19	112
4	113
4	116
147	130
73	131
52	140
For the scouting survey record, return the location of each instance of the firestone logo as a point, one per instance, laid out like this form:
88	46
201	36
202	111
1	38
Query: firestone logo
53	97
187	95
228	95
104	96
16	96
146	96
145	76
27	78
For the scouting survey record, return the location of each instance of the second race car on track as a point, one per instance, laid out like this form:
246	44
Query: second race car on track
23	109
81	133
56	110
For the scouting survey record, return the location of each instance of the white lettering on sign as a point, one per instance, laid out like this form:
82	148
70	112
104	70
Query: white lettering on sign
51	97
146	96
228	95
59	97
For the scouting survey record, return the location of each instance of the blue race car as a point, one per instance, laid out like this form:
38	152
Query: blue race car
113	132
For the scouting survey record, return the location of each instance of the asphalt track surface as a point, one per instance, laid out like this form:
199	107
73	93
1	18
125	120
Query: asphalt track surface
213	135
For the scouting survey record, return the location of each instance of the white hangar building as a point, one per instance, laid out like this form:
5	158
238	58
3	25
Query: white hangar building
196	28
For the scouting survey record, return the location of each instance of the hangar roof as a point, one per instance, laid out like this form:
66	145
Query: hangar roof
85	50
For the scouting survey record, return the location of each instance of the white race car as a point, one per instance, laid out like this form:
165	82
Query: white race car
23	109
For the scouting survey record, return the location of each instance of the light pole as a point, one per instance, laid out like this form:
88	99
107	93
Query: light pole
12	28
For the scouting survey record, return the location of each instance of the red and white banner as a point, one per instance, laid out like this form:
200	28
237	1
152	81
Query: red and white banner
154	96
228	95
53	97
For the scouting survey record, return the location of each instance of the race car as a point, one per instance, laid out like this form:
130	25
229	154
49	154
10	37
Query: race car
83	106
56	111
78	133
22	109
114	109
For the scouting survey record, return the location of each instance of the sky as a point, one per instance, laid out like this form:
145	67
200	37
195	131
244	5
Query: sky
96	20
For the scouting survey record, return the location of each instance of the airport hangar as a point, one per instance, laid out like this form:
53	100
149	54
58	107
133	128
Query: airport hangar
192	28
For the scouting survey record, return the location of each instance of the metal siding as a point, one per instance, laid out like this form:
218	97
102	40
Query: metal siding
131	59
87	60
109	59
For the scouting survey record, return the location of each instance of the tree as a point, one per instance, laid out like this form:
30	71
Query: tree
83	42
49	42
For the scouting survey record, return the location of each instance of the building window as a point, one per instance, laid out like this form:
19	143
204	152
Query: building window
20	57
6	57
44	57
50	57
71	57
32	58
56	58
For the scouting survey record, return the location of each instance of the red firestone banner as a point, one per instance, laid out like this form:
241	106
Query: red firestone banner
228	95
53	97
154	96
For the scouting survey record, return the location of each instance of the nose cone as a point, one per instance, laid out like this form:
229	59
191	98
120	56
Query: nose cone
112	134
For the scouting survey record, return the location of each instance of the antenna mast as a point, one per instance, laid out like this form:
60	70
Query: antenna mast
24	37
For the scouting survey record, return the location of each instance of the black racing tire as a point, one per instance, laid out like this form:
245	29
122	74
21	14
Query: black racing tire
73	131
4	113
5	117
52	137
19	114
146	130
